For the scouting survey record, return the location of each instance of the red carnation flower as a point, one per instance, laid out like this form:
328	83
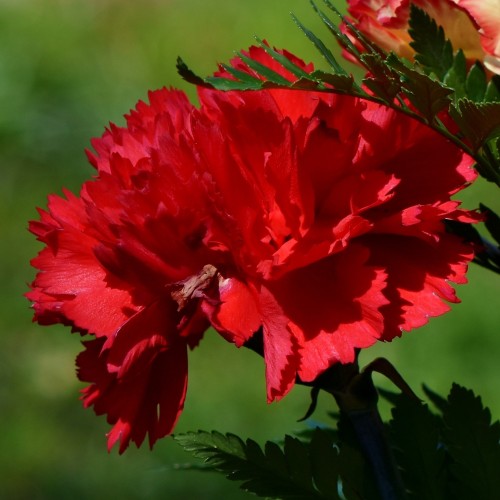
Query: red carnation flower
312	218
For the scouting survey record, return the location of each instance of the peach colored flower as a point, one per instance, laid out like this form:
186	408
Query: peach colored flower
470	25
486	13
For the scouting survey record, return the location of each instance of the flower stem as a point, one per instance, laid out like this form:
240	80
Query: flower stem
357	398
369	430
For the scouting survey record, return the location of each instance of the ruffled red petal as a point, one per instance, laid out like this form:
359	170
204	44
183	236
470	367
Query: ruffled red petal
139	379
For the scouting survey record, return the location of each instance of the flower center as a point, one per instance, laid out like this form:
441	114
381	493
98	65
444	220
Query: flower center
194	286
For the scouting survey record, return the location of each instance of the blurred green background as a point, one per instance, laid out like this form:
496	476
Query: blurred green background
66	69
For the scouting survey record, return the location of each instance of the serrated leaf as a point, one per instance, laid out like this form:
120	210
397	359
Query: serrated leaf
298	462
274	473
385	92
473	443
427	95
306	435
325	463
276	458
479	122
338	82
383	81
475	84
305	84
439	402
415	433
432	50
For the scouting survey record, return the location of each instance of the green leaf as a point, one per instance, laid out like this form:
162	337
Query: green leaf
427	95
244	77
269	74
473	443
324	51
283	60
456	75
493	90
338	82
221	83
390	396
341	38
325	463
187	74
432	50
492	222
299	466
479	122
439	402
383	81
274	473
487	254
415	434
475	84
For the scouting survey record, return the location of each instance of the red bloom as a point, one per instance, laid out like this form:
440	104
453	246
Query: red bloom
314	218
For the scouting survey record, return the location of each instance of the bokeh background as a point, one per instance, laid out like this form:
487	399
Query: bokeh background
67	68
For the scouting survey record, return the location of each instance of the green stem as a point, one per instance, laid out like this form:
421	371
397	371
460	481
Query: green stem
370	433
357	400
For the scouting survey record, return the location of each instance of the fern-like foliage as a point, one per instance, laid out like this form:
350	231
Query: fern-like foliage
454	453
295	471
